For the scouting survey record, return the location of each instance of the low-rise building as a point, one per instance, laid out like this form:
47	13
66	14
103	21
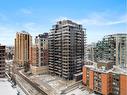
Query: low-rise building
105	82
39	69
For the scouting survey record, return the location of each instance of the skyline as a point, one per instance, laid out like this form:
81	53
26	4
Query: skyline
100	18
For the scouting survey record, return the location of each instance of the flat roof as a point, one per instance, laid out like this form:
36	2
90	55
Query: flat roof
115	69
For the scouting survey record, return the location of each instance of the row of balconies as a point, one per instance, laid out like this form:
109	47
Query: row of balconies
78	70
57	61
2	64
50	70
58	33
2	61
58	73
2	52
66	42
51	60
65	75
2	69
65	36
51	65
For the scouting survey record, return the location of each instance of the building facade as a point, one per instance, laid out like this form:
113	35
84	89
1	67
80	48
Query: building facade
112	48
34	55
66	49
105	82
41	43
2	61
90	51
23	42
9	53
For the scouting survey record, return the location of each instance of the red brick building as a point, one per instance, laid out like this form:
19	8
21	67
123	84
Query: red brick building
105	82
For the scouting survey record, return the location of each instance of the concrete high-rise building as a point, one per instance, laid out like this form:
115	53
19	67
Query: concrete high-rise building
23	42
2	61
121	49
90	51
112	48
41	42
66	49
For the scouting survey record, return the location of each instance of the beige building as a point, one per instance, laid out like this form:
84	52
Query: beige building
39	69
23	42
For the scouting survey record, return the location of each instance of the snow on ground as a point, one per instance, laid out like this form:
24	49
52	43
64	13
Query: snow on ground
7	89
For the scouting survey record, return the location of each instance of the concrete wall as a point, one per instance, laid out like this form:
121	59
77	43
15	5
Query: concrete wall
39	70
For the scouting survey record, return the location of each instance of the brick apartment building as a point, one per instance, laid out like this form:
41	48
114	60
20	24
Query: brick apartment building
105	82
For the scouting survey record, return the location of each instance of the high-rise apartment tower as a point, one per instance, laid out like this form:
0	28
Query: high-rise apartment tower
112	48
66	49
23	42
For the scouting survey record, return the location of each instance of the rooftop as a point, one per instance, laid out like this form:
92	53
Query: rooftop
56	85
119	70
23	32
117	35
53	83
115	69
